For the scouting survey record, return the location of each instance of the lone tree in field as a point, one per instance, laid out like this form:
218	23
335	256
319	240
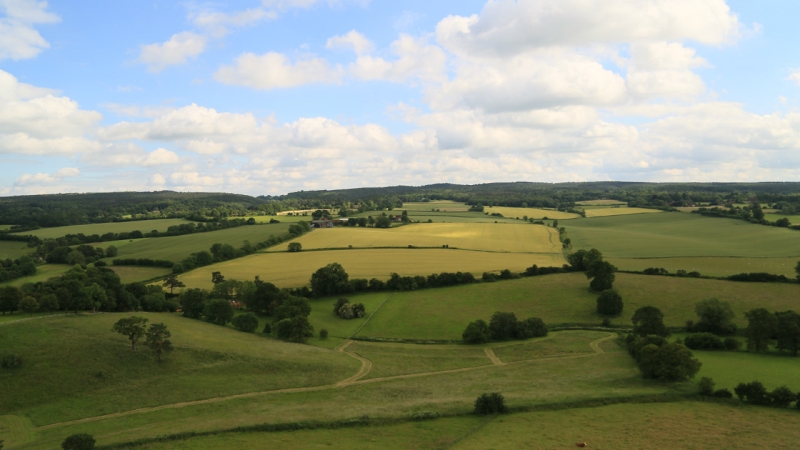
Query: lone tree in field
761	326
609	303
295	247
158	339
493	403
330	280
648	320
715	317
602	275
477	332
132	327
78	442
172	282
669	362
217	277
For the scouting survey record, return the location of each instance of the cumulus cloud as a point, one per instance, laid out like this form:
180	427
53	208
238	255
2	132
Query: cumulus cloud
794	76
18	37
416	59
353	40
160	157
506	27
218	23
274	70
45	179
177	50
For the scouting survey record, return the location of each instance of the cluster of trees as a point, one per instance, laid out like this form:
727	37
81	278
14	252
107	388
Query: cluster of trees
346	310
679	273
334	280
157	335
655	356
600	272
755	393
780	327
92	288
503	326
752	214
18	268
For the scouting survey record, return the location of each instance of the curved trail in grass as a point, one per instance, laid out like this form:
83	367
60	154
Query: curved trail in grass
353	380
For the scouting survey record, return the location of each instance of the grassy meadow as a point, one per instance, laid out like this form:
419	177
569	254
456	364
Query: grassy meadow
43	273
601	202
286	269
602	211
677	234
13	249
715	266
132	274
176	248
532	213
728	369
490	237
144	226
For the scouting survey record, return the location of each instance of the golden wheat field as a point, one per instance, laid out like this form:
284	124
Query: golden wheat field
495	237
532	213
617	211
286	269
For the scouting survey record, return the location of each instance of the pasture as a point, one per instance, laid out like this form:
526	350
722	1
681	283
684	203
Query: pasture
532	213
176	248
490	237
144	226
441	205
43	273
456	217
563	298
13	249
641	426
602	211
132	274
286	269
728	369
712	266
677	234
602	202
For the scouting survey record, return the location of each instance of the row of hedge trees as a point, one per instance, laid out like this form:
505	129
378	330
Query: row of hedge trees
503	326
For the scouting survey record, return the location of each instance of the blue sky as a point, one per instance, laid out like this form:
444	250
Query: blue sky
273	96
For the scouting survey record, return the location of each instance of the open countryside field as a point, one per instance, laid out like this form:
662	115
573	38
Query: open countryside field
455	217
43	273
564	298
605	373
175	248
712	266
144	226
13	249
517	238
606	202
642	426
294	269
731	368
132	274
677	234
599	211
532	213
441	205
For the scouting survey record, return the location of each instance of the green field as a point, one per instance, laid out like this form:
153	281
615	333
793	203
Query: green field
294	269
145	226
687	425
13	249
565	298
442	205
728	369
43	273
456	217
132	274
676	234
605	202
532	213
712	266
516	238
176	248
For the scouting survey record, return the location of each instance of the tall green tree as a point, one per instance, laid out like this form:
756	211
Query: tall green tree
193	302
297	329
29	304
649	320
503	326
9	299
219	312
715	317
78	442
788	333
669	362
172	282
330	280
761	326
132	327
158	339
602	275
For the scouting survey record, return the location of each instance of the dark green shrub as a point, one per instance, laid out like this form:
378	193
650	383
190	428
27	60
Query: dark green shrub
782	397
705	386
477	332
732	344
753	392
722	393
11	361
267	329
246	322
323	334
703	341
338	305
493	403
503	326
530	328
609	303
78	442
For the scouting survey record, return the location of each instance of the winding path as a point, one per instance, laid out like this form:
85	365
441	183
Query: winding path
366	366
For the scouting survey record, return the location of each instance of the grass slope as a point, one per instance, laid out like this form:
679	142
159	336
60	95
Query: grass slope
598	211
677	234
731	368
718	266
517	238
564	298
294	269
176	248
43	273
534	213
75	366
13	250
144	226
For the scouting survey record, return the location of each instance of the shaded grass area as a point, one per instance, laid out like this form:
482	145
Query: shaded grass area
75	366
176	248
13	249
131	274
731	368
339	329
524	384
43	273
401	359
561	343
565	298
516	238
145	226
712	266
294	269
677	234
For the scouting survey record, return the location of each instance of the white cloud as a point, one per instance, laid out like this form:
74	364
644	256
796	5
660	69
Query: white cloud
416	59
353	40
273	70
67	172
507	27
45	179
18	37
218	23
794	76
160	157
663	69
177	50
158	180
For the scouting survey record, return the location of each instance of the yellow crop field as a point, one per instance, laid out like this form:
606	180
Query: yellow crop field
294	269
441	205
535	213
621	211
494	237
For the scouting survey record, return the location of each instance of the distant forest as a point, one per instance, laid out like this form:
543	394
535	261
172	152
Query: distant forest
30	212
